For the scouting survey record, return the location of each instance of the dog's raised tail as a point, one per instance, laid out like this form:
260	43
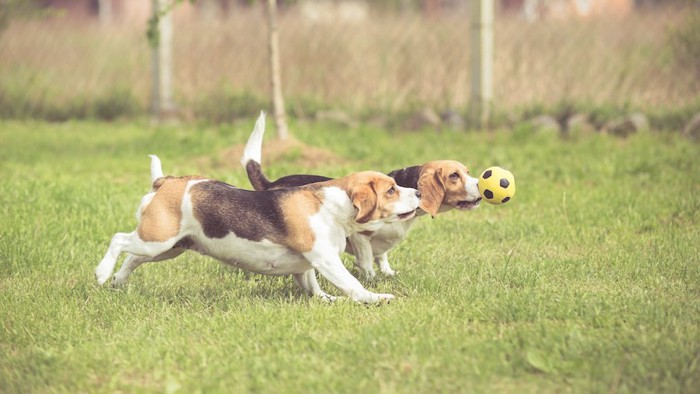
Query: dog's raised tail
253	149
156	170
252	156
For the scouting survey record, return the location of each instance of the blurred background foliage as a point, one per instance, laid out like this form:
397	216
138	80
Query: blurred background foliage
376	61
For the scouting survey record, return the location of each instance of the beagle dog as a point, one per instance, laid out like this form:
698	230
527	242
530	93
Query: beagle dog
443	185
279	232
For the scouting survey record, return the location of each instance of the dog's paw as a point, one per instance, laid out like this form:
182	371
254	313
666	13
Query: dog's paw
118	281
389	272
367	274
101	276
327	298
375	298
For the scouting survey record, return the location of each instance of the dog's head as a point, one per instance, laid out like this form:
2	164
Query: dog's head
377	197
446	184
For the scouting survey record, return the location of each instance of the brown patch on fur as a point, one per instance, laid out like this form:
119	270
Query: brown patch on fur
442	182
160	219
364	198
369	192
432	191
297	208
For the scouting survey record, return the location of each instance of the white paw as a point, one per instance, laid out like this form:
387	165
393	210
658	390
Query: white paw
388	271
367	273
327	297
101	276
373	298
118	281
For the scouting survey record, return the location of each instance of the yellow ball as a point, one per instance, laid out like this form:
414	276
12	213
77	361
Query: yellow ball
496	185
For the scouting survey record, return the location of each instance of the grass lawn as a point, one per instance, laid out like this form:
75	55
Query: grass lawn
587	281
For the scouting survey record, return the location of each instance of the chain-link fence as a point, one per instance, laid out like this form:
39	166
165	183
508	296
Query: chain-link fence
361	57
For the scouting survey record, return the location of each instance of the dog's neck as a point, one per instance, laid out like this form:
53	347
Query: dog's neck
337	201
407	177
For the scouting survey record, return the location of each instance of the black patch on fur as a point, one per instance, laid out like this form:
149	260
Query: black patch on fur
184	243
260	182
407	177
256	176
222	208
296	180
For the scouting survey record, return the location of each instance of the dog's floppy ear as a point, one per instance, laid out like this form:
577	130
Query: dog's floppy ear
432	191
364	198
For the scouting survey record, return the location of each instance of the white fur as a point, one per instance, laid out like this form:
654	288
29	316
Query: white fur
156	168
472	187
253	149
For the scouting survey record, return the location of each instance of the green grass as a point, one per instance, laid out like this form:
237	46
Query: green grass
588	281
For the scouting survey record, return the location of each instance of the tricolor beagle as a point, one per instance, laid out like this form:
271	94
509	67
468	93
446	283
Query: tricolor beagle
280	232
443	185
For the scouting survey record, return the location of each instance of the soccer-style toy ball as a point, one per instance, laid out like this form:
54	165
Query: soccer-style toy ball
496	185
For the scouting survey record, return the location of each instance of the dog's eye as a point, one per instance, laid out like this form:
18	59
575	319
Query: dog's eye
454	175
391	191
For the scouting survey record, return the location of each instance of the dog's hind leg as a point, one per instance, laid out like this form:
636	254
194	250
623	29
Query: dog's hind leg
132	262
308	283
316	288
302	282
130	243
106	266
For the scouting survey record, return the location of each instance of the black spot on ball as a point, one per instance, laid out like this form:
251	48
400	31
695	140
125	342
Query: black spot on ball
504	183
488	194
505	200
487	174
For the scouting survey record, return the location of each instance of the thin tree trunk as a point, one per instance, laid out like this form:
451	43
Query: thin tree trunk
275	71
104	11
162	104
482	61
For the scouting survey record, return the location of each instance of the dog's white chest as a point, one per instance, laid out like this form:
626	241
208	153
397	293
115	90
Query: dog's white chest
389	236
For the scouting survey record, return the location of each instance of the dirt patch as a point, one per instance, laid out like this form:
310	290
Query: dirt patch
273	151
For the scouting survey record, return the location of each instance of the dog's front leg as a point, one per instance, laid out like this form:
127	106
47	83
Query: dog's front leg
325	259
362	249
383	262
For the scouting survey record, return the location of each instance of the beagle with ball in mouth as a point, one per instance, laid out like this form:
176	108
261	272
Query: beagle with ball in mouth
278	232
443	185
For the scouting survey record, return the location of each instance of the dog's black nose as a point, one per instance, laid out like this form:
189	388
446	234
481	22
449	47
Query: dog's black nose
417	194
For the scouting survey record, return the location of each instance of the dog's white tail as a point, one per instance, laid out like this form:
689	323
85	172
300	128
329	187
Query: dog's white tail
253	149
156	169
